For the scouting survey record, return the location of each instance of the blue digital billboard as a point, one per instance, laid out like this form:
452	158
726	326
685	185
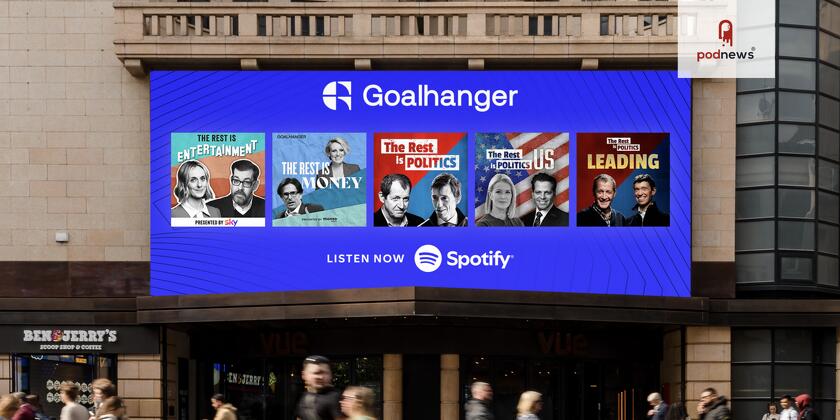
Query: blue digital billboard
280	181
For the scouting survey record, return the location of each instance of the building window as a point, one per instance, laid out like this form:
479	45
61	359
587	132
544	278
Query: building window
43	374
788	156
769	363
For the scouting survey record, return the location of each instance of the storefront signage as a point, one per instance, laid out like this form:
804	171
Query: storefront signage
60	339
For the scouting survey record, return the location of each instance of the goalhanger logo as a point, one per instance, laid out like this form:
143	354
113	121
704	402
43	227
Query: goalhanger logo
428	259
423	96
331	96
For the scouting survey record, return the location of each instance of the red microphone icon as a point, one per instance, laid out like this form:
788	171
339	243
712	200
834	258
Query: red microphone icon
725	32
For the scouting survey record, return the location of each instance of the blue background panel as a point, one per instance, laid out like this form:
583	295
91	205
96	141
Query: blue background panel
637	261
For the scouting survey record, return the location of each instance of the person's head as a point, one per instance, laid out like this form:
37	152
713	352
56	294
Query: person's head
193	181
802	401
501	194
654	398
33	400
357	401
786	401
316	373
217	400
112	405
336	149
103	389
290	191
69	392
771	408
446	194
708	396
644	188
530	402
543	187
603	190
8	406
20	396
394	193
244	180
481	391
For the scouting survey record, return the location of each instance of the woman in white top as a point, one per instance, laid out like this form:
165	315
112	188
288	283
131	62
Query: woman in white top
772	412
72	411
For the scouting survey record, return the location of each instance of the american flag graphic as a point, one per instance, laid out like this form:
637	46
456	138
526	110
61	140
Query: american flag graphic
530	144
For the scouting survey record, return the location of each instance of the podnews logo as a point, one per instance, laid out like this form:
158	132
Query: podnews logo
726	35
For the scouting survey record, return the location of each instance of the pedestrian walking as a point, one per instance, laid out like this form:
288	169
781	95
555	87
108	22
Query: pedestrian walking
530	403
9	405
713	406
478	408
321	400
26	411
102	389
111	409
224	409
658	407
788	408
357	403
806	408
69	393
772	413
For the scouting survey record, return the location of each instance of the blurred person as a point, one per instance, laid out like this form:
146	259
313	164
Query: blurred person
543	190
25	411
530	403
242	202
713	406
112	408
446	194
788	408
69	393
224	410
676	411
601	213
9	405
394	194
357	403
336	150
772	412
103	389
806	408
193	191
35	402
478	407
500	205
658	407
321	400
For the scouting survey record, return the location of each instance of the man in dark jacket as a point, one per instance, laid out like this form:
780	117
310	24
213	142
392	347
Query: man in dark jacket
242	202
713	406
601	213
647	214
321	400
478	408
806	409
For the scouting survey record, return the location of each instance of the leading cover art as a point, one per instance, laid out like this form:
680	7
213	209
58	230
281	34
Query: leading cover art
217	179
623	179
319	179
